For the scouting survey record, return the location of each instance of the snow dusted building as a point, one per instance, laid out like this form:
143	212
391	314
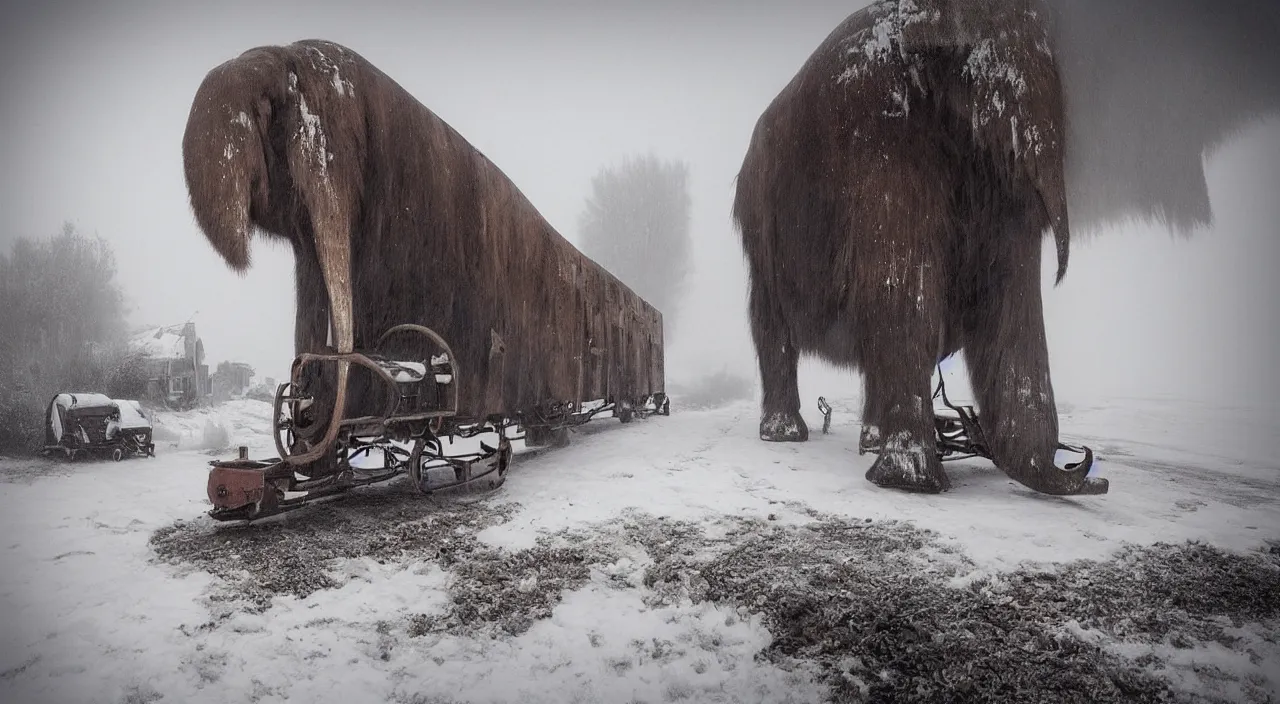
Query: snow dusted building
177	374
231	380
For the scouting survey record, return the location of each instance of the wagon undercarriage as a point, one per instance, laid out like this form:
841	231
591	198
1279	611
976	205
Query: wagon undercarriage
413	435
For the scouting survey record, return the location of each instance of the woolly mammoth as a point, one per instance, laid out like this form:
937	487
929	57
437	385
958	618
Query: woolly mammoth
394	218
894	196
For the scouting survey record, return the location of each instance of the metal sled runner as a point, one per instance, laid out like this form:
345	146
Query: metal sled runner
418	418
958	434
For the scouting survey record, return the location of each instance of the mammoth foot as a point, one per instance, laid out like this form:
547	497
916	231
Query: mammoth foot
783	426
908	466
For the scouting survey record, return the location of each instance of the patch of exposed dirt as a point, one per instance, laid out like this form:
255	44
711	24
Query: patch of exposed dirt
878	606
887	610
865	601
493	589
293	556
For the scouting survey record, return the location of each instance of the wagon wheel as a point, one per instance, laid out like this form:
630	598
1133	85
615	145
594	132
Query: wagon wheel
295	440
117	454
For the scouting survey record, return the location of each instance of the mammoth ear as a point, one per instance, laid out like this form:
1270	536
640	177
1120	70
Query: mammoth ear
223	153
1006	87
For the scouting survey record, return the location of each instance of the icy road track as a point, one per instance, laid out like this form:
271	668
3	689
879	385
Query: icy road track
671	559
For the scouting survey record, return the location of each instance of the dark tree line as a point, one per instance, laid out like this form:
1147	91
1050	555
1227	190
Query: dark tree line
62	328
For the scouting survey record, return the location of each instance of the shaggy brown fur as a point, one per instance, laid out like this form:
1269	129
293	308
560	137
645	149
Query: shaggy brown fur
395	218
892	204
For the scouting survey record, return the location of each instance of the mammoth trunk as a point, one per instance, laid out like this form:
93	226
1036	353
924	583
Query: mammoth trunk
222	161
1023	440
1007	353
1017	410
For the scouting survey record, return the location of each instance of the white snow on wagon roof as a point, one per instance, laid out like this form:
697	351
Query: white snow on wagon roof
70	400
131	414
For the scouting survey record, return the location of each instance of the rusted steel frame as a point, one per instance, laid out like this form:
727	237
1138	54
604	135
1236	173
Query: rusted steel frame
241	483
474	429
245	488
455	376
254	482
578	417
463	464
257	482
574	416
336	422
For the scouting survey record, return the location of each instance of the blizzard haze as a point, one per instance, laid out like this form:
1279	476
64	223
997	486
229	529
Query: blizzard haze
96	98
678	558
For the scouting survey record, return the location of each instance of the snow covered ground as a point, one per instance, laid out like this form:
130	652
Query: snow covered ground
671	559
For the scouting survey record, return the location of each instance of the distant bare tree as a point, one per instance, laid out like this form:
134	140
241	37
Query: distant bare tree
63	317
636	225
59	294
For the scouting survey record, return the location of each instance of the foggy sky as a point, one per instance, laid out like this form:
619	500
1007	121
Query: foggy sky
95	99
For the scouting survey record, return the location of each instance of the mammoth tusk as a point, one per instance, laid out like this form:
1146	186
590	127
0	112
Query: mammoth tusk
333	249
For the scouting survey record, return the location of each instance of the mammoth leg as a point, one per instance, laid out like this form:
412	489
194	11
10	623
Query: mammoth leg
1008	359
902	358
900	319
780	419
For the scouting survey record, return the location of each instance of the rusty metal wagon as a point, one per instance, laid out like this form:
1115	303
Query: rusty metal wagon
414	399
456	314
83	425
